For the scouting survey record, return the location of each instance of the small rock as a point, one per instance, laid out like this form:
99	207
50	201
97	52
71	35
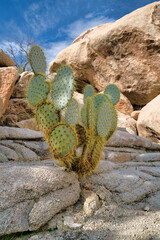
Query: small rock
146	208
69	222
91	203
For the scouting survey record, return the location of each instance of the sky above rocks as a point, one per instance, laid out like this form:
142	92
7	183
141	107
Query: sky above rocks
54	24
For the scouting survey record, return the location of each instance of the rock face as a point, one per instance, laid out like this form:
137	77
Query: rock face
30	195
8	77
125	52
148	123
21	86
125	147
5	60
17	110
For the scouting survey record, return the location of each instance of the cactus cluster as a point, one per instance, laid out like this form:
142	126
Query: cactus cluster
77	141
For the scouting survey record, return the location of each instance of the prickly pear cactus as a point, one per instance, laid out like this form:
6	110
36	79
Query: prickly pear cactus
77	141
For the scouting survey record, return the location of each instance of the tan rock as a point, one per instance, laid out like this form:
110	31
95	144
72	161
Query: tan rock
148	123
28	123
135	114
124	52
5	60
125	121
16	111
1	106
91	202
20	88
124	105
8	77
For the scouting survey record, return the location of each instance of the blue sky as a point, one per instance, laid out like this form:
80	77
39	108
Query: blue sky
54	24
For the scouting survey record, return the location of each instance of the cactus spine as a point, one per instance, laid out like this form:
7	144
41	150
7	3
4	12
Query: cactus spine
77	146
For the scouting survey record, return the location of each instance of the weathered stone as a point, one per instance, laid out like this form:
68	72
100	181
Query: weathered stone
69	222
24	154
148	123
1	107
8	77
31	194
124	139
154	201
125	52
124	105
119	157
91	203
5	60
10	154
19	133
148	157
135	114
21	86
3	157
17	110
28	123
127	122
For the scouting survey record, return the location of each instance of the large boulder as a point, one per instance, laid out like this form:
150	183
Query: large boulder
8	78
5	60
125	52
148	123
21	86
31	194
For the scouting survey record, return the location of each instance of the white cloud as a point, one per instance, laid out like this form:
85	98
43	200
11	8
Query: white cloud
54	48
78	27
4	45
39	18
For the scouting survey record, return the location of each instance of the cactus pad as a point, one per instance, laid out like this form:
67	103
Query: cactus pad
62	88
37	59
88	92
46	117
104	120
81	134
37	90
84	114
113	124
113	93
99	99
63	140
72	113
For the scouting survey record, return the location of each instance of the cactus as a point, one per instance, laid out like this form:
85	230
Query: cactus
113	93
37	59
77	146
88	92
63	140
62	87
37	90
72	113
46	117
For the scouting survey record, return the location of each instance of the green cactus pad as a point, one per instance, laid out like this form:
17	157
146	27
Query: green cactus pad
37	59
90	115
113	123
46	117
62	88
104	120
72	113
37	90
84	114
99	99
88	92
113	93
63	140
